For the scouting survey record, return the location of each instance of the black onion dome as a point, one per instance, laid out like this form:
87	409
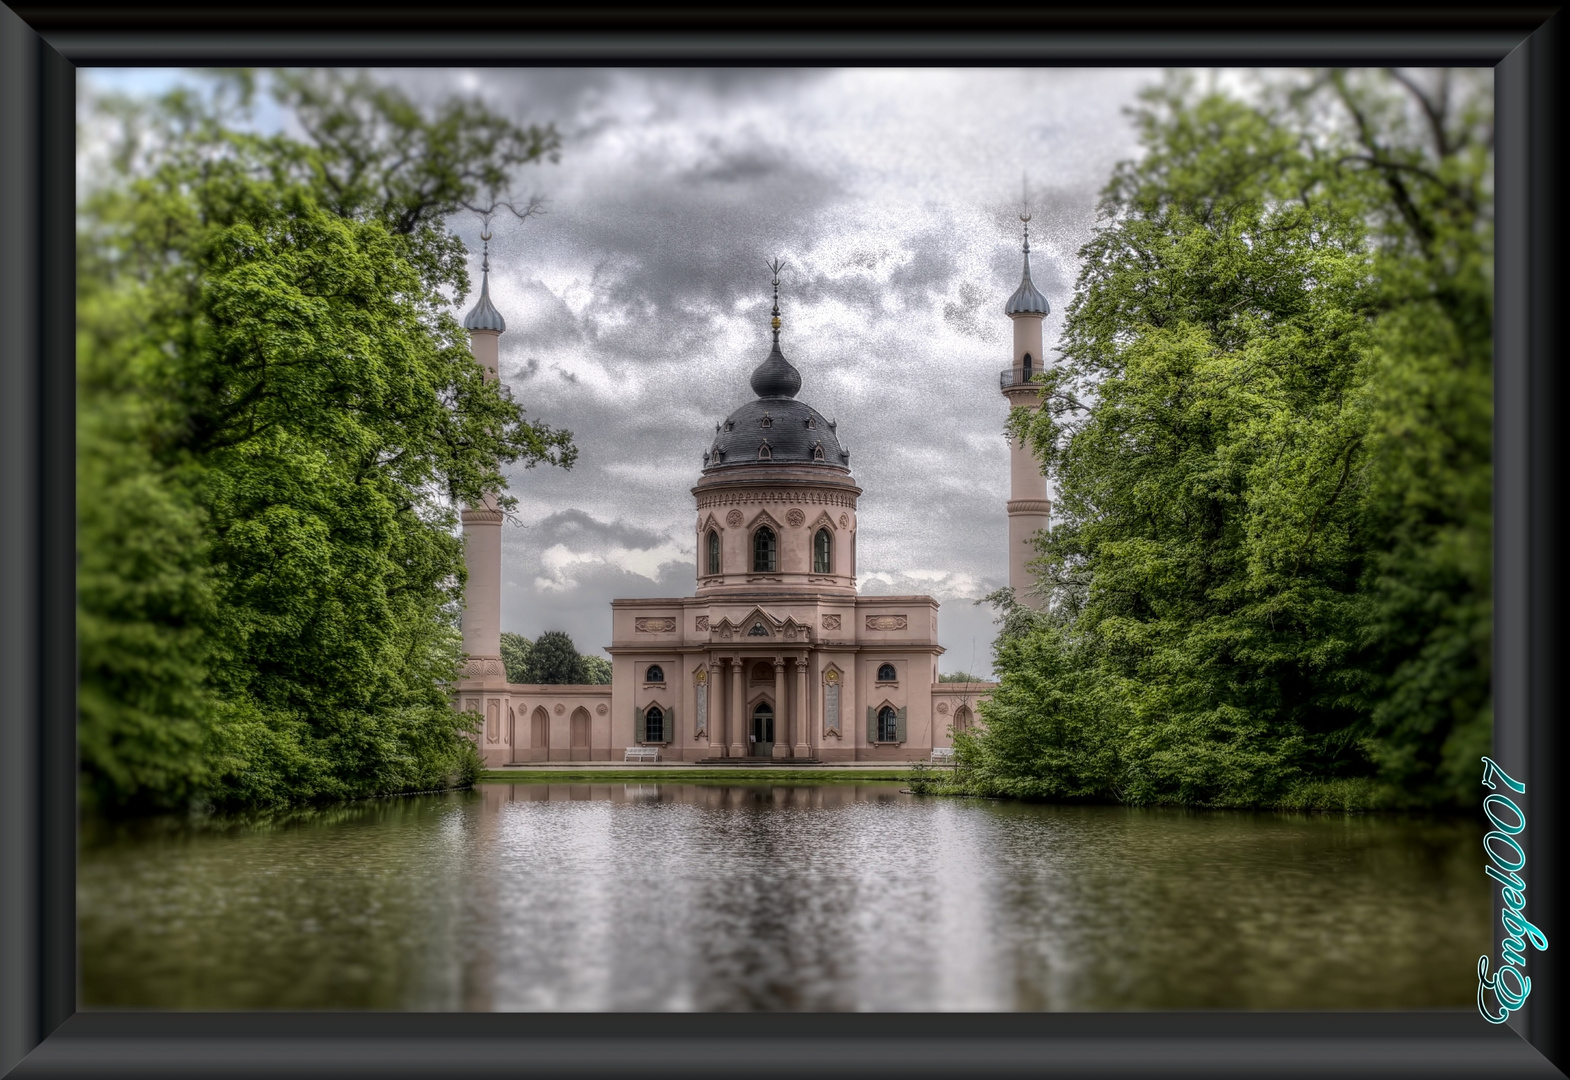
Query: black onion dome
775	427
775	377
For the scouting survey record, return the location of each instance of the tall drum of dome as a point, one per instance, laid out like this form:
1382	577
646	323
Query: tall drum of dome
776	502
1028	508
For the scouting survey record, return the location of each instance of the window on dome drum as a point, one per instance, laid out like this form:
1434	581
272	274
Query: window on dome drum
822	549
886	673
767	421
654	724
654	674
1027	366
764	551
764	453
817	451
888	724
811	422
729	424
714	552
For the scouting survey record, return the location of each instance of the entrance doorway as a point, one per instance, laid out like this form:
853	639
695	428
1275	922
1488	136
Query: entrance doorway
762	744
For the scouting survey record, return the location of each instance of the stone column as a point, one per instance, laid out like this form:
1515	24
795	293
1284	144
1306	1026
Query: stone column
716	707
803	748
738	722
781	731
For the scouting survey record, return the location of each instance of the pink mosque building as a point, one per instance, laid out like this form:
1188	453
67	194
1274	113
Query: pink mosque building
775	656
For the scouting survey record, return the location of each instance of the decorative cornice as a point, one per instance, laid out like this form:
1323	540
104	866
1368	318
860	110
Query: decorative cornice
1019	507
477	515
708	499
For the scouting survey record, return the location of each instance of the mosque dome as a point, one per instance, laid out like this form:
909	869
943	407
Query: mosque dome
775	428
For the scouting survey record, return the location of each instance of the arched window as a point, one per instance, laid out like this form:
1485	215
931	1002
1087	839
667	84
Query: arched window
578	728
714	552
888	724
653	724
886	673
1027	367
817	451
822	552
764	453
540	729
763	551
962	719
766	421
654	674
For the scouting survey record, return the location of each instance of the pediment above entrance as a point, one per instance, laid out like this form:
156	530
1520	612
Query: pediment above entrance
759	626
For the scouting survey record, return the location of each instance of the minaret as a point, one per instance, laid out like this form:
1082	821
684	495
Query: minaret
1028	506
482	524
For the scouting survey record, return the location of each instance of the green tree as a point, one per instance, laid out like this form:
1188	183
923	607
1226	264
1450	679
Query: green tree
959	676
515	656
554	660
1269	434
596	670
264	325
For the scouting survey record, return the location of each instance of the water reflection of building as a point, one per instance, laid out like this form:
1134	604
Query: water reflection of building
775	655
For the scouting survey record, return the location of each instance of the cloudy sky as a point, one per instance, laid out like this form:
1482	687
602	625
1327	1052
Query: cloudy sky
638	305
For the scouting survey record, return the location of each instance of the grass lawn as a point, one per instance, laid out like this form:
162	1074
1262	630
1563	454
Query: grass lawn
694	776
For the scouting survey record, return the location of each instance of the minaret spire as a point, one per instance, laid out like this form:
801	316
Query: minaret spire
482	685
1029	510
484	316
1027	299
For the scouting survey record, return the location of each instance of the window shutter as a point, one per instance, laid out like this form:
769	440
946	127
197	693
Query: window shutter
872	724
899	725
638	731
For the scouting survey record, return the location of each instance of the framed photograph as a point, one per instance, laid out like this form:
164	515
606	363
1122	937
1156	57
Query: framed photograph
1017	548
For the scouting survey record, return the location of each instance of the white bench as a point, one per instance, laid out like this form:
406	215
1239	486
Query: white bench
943	755
642	753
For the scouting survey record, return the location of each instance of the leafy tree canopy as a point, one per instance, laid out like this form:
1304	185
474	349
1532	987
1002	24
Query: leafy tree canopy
515	656
1270	436
279	418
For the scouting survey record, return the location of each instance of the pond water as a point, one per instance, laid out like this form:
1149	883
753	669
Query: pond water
752	897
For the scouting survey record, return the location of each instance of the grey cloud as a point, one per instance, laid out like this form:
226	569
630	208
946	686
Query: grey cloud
578	529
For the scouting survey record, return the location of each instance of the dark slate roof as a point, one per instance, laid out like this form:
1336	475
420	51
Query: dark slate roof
484	315
795	431
1027	299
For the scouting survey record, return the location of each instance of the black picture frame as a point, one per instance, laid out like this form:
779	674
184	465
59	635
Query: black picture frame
42	1034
